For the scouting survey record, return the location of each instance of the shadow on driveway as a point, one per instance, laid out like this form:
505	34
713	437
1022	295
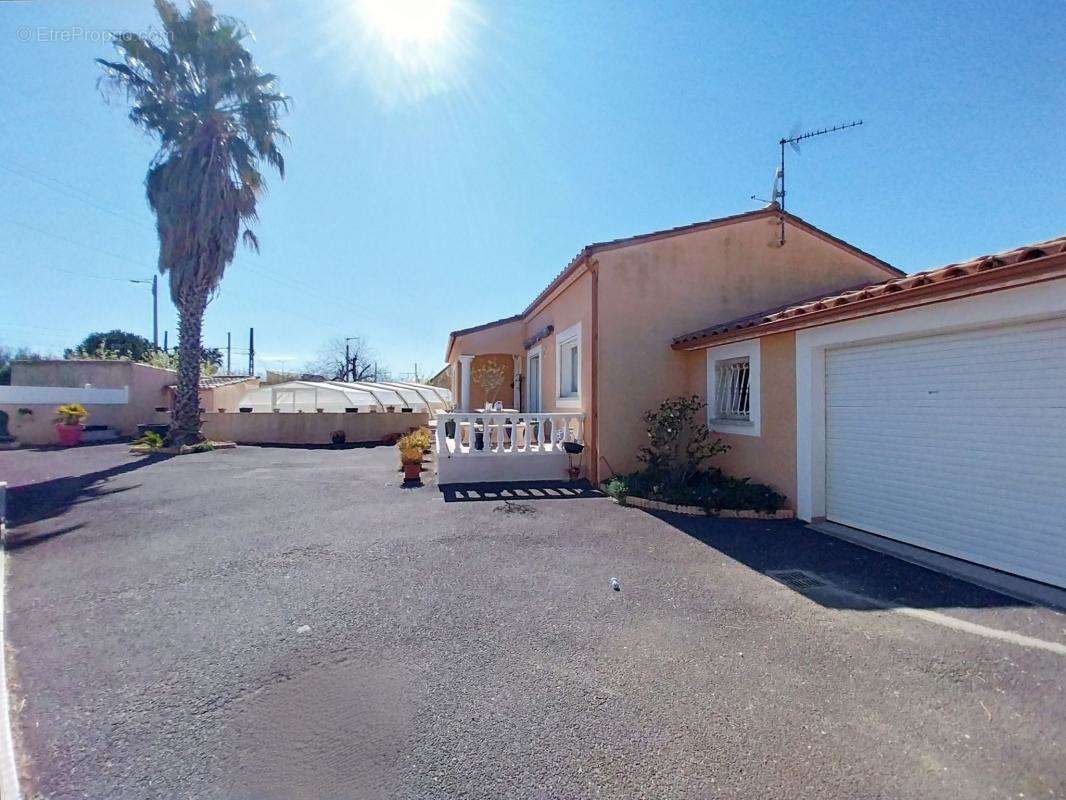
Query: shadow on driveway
45	500
530	490
888	581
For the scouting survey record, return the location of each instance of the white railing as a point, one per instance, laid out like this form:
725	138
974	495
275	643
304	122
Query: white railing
480	434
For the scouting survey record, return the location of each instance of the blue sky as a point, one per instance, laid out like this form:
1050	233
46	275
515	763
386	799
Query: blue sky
447	189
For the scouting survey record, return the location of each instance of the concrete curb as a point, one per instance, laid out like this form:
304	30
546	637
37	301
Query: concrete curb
697	511
9	774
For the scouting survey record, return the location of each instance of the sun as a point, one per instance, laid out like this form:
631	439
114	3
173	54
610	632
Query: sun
405	51
409	30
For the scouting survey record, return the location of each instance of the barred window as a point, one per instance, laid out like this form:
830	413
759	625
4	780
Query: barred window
732	394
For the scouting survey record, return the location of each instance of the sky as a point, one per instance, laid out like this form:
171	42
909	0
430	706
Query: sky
444	166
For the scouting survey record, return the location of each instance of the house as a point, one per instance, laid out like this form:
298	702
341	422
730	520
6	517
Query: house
592	352
218	392
927	410
120	394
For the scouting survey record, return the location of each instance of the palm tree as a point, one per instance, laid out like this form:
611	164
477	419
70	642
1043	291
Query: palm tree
216	117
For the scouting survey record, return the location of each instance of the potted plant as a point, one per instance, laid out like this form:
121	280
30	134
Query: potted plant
411	459
69	423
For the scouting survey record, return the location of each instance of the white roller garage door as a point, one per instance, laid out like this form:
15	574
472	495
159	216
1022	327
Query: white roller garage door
955	443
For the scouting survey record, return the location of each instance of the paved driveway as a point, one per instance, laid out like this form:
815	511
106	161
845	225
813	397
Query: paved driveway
290	623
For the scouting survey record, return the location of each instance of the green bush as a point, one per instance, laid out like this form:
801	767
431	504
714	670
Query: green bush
150	439
617	488
202	447
679	445
708	489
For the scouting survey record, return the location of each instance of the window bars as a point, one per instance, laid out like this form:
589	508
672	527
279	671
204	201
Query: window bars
731	394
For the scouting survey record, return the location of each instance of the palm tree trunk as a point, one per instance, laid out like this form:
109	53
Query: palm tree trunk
185	427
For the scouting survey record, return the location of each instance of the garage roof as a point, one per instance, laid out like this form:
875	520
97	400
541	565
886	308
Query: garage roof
975	272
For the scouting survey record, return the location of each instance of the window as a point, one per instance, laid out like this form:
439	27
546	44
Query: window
733	401
568	384
568	366
533	380
732	395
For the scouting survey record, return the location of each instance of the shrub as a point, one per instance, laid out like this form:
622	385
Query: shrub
678	446
421	438
71	414
617	488
150	439
411	455
416	440
202	447
709	489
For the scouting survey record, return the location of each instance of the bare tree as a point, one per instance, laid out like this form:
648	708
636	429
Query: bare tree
329	361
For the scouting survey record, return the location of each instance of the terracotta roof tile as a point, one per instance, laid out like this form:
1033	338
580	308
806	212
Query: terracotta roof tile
858	294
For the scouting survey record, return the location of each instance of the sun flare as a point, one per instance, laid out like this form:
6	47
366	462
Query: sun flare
408	29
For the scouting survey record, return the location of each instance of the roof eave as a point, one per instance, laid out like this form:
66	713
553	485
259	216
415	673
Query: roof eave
1005	277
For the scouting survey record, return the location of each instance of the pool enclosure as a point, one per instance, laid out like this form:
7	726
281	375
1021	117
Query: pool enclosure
309	397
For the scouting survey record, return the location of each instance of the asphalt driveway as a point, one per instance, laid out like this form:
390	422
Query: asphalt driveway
286	623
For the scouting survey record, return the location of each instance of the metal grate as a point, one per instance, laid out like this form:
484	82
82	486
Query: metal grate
796	578
732	393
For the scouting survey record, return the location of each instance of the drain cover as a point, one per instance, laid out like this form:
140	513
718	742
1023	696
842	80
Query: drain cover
796	578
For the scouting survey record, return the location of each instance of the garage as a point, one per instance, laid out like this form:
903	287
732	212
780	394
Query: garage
955	443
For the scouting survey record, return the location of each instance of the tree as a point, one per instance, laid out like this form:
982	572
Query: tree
116	344
216	116
330	361
8	355
209	365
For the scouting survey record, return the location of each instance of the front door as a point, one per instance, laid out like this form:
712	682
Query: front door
533	397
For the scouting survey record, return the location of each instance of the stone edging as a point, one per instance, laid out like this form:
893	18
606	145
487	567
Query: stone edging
697	511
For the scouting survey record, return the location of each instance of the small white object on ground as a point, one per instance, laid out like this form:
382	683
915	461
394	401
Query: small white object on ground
616	585
304	629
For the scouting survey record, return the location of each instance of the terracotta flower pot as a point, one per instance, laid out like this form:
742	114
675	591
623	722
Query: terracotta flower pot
412	472
69	435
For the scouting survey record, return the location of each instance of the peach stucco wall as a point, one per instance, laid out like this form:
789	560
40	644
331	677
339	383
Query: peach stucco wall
770	457
147	390
567	308
652	292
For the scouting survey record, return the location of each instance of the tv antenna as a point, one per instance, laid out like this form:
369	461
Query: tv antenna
777	197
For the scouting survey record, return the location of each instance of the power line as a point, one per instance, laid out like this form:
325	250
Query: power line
75	242
78	273
80	196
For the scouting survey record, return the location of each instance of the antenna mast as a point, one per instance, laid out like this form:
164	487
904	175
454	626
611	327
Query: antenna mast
794	140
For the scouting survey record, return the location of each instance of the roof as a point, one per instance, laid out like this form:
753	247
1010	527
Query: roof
215	381
612	244
963	275
493	324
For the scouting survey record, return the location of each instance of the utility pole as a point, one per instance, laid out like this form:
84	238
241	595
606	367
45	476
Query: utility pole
155	307
349	363
251	351
229	352
166	347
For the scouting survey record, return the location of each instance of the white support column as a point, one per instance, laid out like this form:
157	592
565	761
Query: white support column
517	383
465	361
